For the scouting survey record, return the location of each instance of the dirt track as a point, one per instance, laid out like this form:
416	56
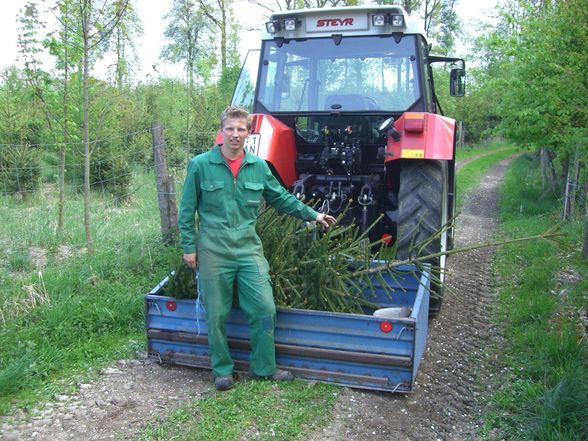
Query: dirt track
445	405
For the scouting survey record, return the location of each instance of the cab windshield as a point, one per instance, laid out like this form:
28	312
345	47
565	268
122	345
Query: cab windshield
360	74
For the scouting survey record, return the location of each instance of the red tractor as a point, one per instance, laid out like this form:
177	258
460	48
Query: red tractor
345	113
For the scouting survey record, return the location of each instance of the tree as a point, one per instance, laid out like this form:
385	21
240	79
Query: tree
96	28
220	16
127	29
186	30
545	99
64	45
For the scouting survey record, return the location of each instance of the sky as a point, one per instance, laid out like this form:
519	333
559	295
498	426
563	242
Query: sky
151	12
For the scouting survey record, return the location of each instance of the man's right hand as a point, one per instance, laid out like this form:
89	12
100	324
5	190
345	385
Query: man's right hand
191	260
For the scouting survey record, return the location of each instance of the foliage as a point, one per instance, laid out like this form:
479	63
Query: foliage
533	72
543	389
309	269
296	409
545	100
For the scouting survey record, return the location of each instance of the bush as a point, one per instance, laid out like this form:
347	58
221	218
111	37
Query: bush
111	172
20	170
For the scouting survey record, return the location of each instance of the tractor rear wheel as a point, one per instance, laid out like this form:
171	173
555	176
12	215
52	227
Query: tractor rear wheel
422	212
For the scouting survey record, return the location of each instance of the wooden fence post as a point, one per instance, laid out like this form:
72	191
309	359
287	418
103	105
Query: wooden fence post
166	189
459	135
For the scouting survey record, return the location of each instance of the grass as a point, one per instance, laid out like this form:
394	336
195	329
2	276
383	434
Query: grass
63	312
252	410
544	393
468	151
471	173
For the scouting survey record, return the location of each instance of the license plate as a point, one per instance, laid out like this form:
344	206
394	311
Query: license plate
252	144
412	154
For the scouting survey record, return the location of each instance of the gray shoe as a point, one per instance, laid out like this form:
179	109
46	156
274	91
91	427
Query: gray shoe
278	375
224	382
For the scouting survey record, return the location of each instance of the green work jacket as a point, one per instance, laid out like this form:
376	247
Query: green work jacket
229	206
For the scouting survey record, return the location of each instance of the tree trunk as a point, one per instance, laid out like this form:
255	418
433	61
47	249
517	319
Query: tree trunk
86	73
571	187
575	181
62	153
223	42
547	170
565	166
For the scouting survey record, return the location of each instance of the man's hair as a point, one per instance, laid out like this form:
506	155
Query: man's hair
235	112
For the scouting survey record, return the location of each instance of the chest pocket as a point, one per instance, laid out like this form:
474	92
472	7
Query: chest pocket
212	193
253	192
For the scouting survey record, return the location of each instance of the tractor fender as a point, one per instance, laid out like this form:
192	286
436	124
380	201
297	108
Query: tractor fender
422	136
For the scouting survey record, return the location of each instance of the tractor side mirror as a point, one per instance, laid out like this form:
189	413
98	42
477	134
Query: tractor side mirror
457	82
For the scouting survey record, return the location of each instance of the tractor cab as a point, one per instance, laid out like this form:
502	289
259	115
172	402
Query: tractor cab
345	113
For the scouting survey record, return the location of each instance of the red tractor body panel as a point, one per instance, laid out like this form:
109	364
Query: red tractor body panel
423	136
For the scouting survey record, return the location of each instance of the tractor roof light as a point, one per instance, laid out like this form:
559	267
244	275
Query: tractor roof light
379	20
272	26
290	24
397	20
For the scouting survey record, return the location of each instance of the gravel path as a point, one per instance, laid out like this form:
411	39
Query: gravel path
445	406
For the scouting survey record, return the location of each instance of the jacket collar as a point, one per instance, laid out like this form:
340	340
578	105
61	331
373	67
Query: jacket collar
217	158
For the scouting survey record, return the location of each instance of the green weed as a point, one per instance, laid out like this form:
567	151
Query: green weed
252	410
545	394
63	311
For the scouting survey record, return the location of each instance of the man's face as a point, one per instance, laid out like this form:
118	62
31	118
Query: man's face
234	132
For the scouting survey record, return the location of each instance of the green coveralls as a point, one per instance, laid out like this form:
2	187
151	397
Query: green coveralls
228	247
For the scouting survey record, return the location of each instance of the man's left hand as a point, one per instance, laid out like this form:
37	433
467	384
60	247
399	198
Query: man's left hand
325	220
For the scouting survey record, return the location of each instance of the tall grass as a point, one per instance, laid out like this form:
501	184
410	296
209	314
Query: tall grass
63	311
542	304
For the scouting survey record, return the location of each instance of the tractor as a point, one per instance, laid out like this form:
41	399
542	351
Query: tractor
345	113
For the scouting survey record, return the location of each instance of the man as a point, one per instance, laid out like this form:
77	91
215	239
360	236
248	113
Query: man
224	186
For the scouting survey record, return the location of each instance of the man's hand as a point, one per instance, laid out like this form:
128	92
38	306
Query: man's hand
191	260
325	220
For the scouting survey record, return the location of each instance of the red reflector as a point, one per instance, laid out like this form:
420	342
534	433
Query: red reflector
171	305
386	327
387	239
414	122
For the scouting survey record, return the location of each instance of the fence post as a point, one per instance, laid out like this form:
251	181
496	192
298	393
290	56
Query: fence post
166	189
460	135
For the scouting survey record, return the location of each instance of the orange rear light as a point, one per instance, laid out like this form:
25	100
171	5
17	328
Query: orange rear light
414	122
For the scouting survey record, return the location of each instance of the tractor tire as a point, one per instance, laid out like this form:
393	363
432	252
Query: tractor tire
422	212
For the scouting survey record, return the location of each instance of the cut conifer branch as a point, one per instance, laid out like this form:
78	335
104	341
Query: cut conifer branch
312	268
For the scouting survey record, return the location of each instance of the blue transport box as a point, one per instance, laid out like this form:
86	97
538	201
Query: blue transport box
356	350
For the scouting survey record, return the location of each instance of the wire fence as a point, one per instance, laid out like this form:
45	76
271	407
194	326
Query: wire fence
123	196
